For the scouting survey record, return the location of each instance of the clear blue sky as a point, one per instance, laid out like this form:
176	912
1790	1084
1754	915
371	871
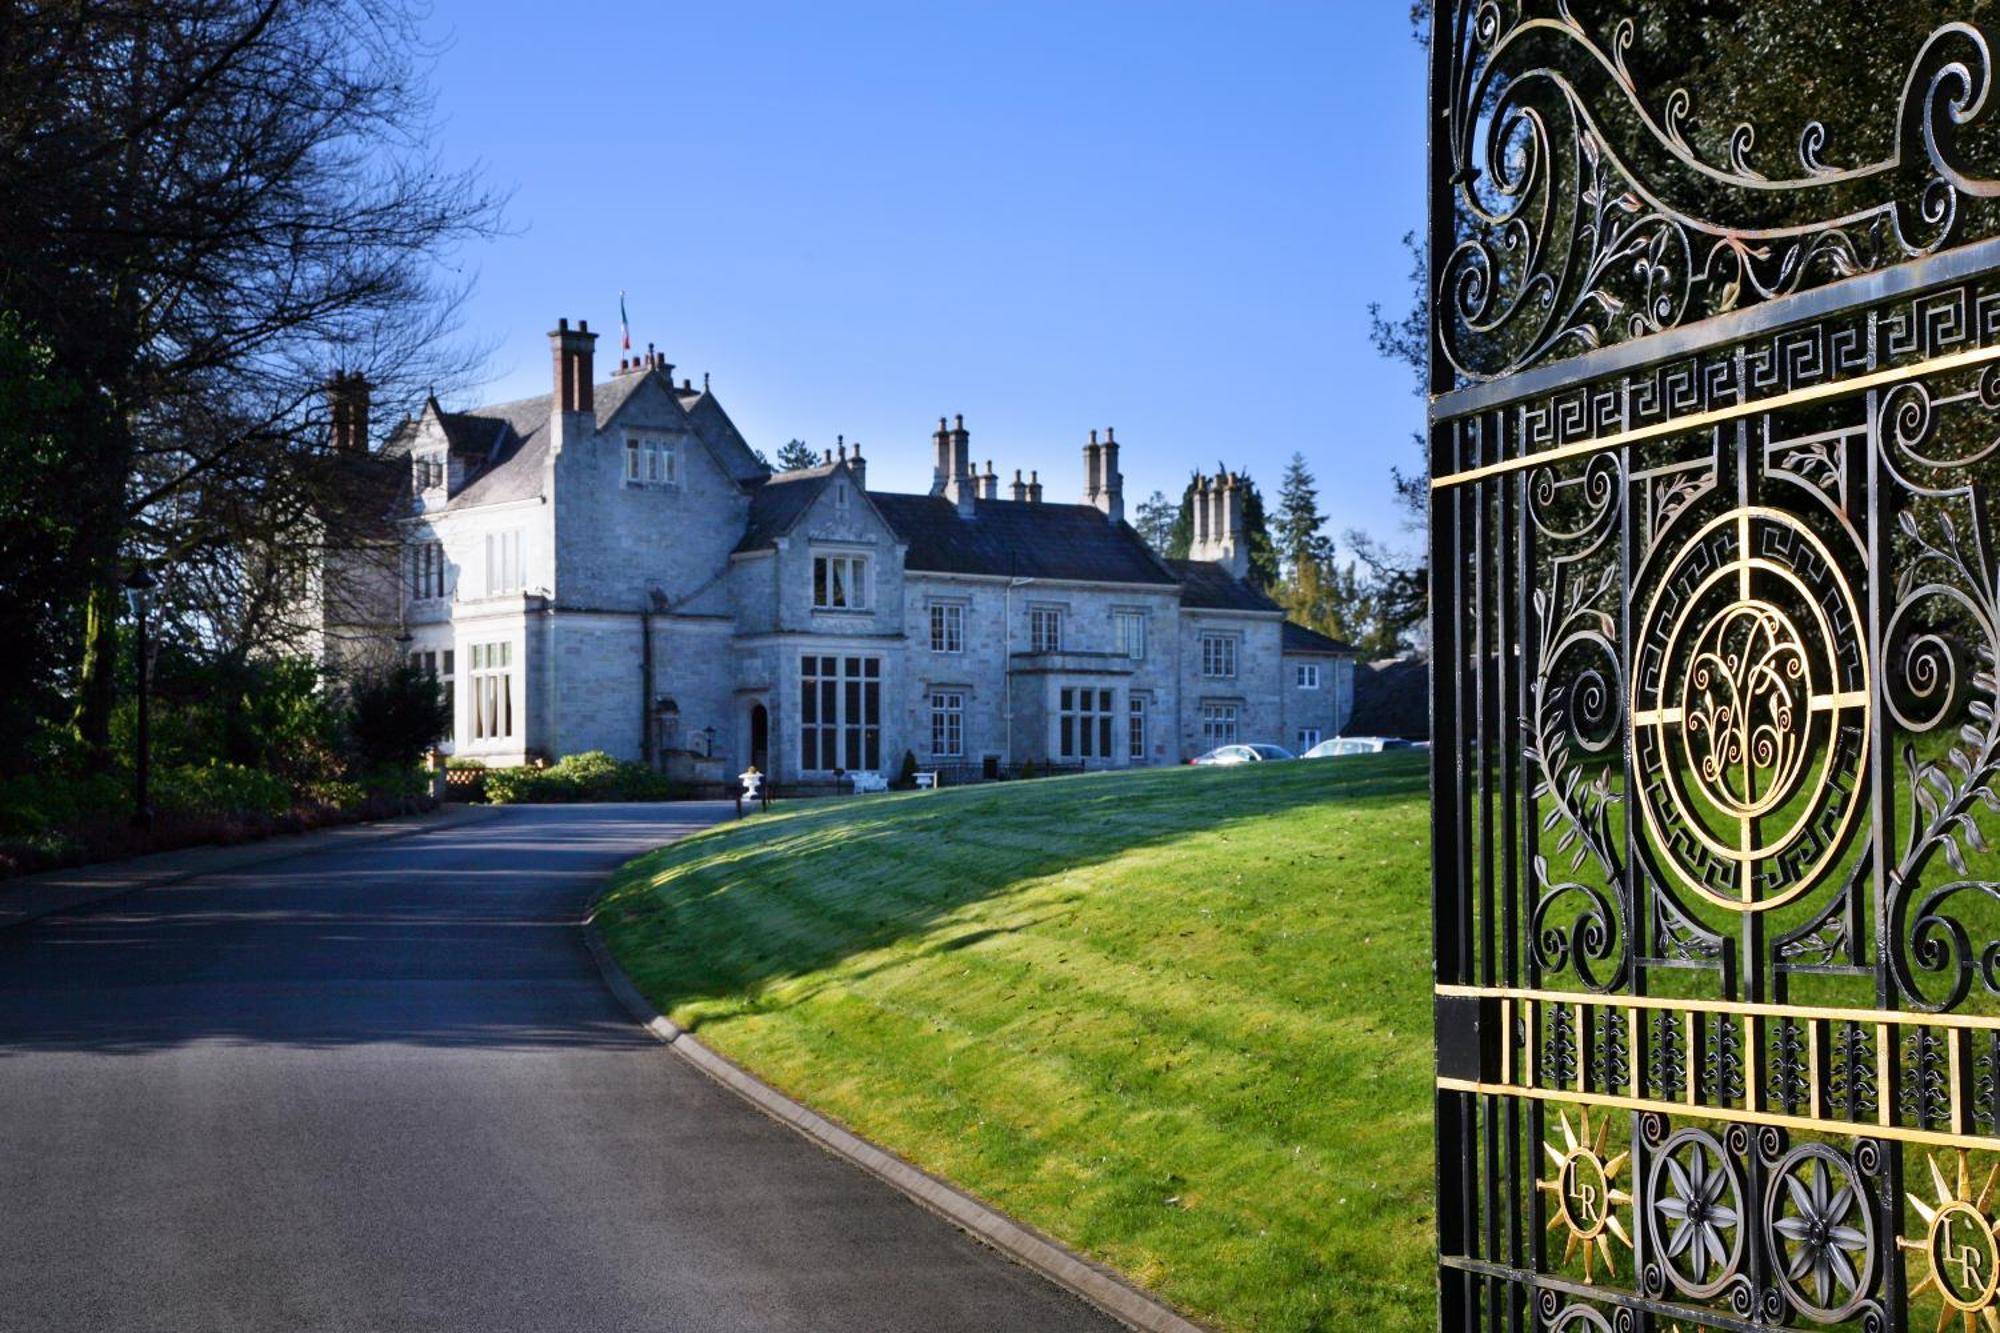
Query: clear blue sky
1050	217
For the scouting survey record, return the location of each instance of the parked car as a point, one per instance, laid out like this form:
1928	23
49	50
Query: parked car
1243	754
1336	746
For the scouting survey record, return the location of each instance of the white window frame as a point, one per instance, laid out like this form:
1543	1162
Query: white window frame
1307	675
1309	737
1221	724
439	666
503	562
1129	634
831	726
651	460
1138	722
1085	715
492	686
427	571
947	627
1045	629
1218	656
840	581
947	724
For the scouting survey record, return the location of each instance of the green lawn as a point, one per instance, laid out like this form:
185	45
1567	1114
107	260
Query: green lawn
1179	1019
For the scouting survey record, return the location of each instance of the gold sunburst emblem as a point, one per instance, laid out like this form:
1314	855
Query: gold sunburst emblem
1961	1247
1586	1193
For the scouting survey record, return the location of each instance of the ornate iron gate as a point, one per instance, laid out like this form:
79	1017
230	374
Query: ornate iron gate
1716	622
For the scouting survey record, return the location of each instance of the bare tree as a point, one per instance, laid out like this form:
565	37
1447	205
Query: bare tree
207	205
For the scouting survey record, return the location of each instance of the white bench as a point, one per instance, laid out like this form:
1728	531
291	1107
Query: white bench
926	779
867	782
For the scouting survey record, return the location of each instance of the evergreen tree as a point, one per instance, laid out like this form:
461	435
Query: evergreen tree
1180	537
1299	538
796	454
1155	522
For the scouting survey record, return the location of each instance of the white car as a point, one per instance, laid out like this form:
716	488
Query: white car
1243	754
1344	745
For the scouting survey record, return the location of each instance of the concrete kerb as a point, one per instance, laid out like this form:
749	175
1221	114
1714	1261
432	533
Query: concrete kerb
29	897
1019	1242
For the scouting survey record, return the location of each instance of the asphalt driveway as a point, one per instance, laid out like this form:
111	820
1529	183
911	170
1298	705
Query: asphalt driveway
383	1087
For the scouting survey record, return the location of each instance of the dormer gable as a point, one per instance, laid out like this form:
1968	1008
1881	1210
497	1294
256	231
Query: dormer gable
448	449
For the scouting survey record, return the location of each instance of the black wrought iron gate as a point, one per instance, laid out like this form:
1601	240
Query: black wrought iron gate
1715	437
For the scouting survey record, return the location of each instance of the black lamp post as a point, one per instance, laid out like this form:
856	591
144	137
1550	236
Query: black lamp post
139	597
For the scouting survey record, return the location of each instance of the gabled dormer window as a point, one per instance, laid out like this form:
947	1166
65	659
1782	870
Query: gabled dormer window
426	473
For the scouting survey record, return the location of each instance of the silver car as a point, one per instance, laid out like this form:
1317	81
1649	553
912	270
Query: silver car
1344	745
1243	754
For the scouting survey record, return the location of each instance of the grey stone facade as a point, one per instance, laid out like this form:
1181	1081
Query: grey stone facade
611	567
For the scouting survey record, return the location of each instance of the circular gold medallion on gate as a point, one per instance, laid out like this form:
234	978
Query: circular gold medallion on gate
1749	710
1965	1261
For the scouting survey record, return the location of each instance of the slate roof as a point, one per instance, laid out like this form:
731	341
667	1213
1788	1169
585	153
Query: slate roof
1392	698
514	467
1019	539
1299	639
507	444
777	503
1207	586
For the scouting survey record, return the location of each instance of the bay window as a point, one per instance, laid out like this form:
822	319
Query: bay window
840	713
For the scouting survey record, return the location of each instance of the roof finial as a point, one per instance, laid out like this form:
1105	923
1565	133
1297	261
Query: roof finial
704	381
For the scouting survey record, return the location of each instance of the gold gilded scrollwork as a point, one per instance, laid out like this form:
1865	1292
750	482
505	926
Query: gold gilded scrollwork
1749	710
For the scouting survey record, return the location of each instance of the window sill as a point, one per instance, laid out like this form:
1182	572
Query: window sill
843	611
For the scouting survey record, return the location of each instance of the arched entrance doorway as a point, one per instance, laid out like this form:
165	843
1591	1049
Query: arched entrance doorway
760	738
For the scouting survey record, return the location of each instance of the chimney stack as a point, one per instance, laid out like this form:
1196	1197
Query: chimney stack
347	405
1110	496
573	352
963	483
1034	488
1019	489
1235	540
857	467
1092	470
1219	534
989	483
940	458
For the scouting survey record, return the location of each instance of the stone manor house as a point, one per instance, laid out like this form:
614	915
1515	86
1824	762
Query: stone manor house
611	567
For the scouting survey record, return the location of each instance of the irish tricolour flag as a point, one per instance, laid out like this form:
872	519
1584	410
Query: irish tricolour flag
624	324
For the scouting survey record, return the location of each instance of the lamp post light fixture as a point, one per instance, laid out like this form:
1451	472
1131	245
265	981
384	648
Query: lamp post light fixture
139	589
